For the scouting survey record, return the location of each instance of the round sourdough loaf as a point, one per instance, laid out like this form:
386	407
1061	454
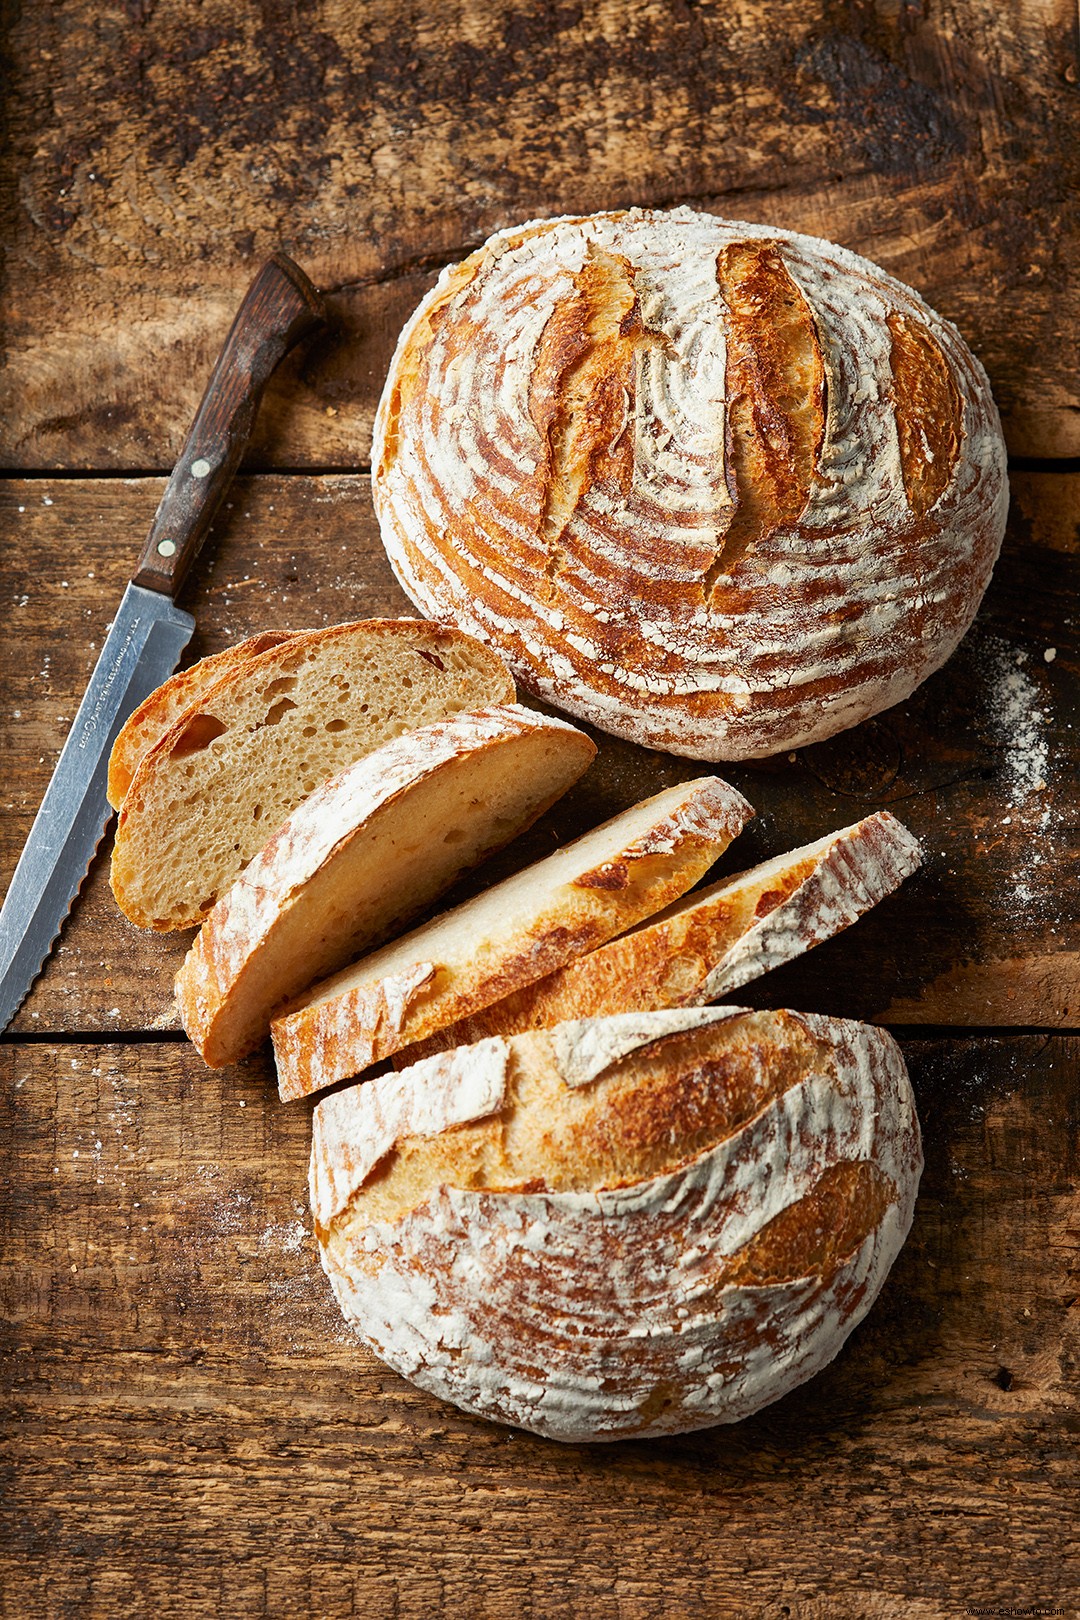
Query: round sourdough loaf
717	488
622	1226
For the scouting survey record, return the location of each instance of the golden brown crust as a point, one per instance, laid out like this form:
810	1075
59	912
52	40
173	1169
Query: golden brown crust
518	931
712	941
815	1235
929	412
646	1115
581	395
775	398
716	488
362	855
642	1242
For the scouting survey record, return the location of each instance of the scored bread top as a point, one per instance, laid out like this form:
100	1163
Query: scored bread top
514	933
714	940
183	691
716	487
362	855
224	776
649	1223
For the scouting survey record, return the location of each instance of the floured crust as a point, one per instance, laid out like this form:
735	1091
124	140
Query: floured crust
181	692
686	1232
365	852
715	487
516	932
358	1127
715	940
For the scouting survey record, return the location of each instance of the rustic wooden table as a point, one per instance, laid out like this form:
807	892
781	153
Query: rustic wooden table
190	1431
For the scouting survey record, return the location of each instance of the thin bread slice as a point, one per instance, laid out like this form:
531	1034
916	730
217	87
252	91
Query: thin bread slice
364	853
517	931
183	691
708	944
225	776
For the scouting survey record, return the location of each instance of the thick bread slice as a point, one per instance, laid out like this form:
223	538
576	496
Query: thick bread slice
365	852
516	932
713	941
621	1226
209	793
183	691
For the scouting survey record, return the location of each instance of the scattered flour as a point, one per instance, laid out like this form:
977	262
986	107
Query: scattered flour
1018	721
1017	717
286	1238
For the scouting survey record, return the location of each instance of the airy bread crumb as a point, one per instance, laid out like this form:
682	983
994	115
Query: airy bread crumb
226	775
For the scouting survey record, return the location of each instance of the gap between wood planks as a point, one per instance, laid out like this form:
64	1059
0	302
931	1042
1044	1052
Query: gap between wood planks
945	758
1019	464
177	1037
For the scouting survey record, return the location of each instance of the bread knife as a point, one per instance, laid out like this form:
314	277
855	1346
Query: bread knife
149	632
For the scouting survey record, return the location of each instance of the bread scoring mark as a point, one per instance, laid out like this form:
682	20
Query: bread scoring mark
574	1307
582	394
929	412
588	1047
645	1112
827	621
668	1101
353	1131
818	1233
776	398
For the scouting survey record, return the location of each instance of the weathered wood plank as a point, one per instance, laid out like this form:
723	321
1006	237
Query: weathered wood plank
983	762
157	152
193	1433
294	555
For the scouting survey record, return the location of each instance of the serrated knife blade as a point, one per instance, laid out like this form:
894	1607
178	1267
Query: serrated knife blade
142	649
149	633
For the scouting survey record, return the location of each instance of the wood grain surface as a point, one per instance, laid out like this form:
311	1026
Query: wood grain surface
983	762
157	150
194	1431
189	1430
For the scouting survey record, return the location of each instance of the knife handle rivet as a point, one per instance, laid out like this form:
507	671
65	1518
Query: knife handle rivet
200	468
166	548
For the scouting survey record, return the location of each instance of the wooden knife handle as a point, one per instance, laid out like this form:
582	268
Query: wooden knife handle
280	307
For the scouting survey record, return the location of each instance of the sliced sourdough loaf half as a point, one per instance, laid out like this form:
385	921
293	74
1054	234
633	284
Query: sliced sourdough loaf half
709	943
518	931
225	775
183	691
364	853
620	1227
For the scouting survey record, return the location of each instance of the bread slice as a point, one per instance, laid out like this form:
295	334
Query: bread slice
708	944
365	852
518	931
183	691
225	776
